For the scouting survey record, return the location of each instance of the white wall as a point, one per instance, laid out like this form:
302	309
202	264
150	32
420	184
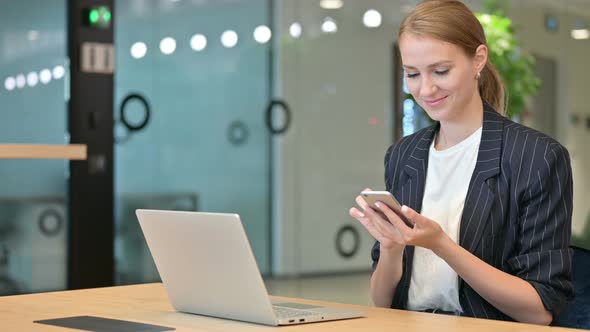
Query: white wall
339	88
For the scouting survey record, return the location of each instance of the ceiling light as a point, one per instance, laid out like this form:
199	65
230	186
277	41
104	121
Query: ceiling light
331	4
580	34
329	25
372	18
580	30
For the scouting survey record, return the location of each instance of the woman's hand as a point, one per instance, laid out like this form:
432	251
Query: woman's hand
381	229
426	233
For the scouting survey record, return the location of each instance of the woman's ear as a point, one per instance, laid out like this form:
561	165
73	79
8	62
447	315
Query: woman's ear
481	58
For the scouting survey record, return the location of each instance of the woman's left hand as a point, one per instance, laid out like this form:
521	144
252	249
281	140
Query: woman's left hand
426	232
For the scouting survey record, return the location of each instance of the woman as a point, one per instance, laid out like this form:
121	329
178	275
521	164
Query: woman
490	199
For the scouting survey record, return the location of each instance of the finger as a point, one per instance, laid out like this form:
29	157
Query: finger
361	202
367	224
382	223
368	189
394	219
356	213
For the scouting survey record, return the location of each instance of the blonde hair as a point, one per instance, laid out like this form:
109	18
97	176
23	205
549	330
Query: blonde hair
451	21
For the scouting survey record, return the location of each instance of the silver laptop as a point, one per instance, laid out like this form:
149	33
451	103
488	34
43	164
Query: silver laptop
207	266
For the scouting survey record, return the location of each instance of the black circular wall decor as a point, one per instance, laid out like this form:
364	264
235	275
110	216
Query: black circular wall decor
269	112
237	133
146	108
338	241
46	227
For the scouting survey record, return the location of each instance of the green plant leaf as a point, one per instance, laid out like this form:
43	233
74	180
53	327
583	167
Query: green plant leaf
515	66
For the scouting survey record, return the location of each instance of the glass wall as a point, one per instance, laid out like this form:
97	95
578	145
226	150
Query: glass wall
203	69
33	220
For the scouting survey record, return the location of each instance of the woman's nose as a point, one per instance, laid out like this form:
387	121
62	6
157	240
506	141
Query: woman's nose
427	88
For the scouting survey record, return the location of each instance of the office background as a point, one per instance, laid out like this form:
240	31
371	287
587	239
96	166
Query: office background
280	111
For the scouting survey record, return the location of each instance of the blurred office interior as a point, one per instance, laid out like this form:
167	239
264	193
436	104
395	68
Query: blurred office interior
279	110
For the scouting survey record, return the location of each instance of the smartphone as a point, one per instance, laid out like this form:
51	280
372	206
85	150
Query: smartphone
372	197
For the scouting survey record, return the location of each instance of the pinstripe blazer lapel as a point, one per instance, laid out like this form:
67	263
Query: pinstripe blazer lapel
413	190
480	195
411	193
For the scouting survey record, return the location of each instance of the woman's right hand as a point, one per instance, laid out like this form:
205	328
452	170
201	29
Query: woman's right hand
379	227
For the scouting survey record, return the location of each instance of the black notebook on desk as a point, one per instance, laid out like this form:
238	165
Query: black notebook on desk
100	324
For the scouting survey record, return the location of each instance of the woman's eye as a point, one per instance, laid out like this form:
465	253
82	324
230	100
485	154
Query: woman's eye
441	72
411	75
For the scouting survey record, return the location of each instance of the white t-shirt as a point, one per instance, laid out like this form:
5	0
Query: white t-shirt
434	284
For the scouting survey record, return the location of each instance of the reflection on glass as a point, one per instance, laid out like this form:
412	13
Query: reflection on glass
58	72
198	42
138	50
33	35
32	79
10	83
20	81
329	25
262	34
229	38
45	76
295	30
168	45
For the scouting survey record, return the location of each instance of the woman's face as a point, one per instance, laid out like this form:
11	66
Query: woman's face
440	76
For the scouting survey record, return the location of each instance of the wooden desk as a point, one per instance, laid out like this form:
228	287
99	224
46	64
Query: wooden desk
43	151
149	304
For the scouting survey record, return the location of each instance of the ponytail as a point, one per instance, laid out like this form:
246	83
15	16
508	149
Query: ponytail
491	88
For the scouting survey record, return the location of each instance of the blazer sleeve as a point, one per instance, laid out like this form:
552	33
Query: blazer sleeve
375	252
544	258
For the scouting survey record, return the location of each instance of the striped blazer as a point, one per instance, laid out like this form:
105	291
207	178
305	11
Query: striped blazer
517	214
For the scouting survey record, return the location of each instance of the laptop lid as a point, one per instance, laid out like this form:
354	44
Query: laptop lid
206	264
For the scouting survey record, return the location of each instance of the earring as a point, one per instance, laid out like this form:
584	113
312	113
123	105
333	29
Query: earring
478	76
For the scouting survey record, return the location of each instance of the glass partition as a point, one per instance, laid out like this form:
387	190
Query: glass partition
33	213
201	70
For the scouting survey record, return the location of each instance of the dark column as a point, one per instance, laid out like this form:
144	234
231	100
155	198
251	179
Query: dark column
90	122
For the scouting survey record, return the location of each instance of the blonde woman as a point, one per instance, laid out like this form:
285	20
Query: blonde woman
490	199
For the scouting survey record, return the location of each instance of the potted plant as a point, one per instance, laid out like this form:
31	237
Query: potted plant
515	66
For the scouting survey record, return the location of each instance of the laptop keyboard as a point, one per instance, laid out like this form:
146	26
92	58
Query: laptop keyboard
283	312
